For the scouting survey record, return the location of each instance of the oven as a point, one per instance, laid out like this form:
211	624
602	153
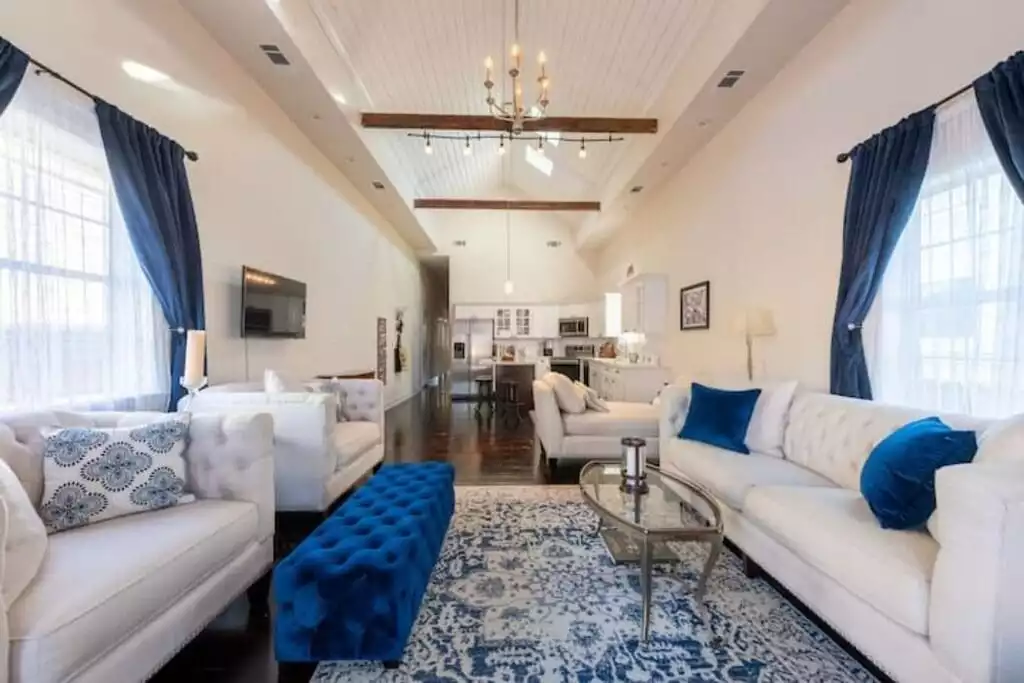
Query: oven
574	327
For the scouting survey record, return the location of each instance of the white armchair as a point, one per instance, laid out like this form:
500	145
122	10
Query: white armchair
317	456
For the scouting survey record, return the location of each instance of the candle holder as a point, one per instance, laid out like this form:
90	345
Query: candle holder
192	390
634	465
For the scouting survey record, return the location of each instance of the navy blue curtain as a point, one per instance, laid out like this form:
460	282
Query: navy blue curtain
149	176
1000	95
13	63
885	181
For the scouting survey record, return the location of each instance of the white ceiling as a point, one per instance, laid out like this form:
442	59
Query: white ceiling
604	59
615	58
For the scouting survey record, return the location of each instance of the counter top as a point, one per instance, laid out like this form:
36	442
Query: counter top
622	363
516	362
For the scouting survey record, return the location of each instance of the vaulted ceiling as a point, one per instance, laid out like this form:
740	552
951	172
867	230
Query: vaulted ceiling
604	59
660	59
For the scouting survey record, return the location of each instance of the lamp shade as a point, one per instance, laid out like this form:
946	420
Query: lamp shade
755	322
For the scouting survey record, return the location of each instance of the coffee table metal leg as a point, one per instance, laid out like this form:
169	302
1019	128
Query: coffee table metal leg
709	564
645	587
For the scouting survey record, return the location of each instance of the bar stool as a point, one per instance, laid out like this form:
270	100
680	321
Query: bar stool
484	394
509	406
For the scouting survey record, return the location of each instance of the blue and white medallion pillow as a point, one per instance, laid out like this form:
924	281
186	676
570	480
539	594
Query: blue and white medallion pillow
90	475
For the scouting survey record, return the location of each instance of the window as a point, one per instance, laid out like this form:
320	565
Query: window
79	326
946	332
613	315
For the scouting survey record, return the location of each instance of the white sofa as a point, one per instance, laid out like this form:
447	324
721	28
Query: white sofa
113	601
925	607
591	435
317	458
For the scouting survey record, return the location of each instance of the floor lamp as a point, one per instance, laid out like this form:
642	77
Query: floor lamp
755	322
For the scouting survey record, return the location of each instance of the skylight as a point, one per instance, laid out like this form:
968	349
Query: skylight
539	161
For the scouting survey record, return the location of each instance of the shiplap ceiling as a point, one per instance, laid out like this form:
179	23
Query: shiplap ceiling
605	58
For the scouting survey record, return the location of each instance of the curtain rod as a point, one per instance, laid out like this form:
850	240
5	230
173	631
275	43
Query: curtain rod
43	69
845	156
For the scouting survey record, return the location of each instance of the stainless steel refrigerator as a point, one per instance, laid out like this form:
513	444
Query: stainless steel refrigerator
472	355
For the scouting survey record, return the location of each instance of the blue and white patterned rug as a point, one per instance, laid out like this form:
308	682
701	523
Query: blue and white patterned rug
523	591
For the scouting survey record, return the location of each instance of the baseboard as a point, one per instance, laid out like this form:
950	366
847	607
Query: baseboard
403	399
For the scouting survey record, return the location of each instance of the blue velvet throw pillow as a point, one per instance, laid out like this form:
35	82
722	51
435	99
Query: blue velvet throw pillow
719	417
898	479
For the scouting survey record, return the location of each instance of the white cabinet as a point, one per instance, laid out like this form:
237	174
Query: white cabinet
503	322
523	322
645	304
630	383
545	322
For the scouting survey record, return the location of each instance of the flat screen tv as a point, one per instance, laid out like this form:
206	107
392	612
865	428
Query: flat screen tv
272	306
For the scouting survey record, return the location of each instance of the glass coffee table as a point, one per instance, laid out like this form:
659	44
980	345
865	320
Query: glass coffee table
639	527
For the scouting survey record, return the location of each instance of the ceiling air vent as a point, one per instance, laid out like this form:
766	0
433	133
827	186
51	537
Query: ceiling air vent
554	244
731	78
459	243
378	184
274	54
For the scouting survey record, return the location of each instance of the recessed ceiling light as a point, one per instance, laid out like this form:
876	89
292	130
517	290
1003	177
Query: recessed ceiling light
338	97
141	72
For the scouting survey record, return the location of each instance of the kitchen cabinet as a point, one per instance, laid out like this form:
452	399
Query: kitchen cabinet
503	323
618	381
523	323
645	304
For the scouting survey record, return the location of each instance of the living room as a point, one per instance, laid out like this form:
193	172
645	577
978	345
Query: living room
778	244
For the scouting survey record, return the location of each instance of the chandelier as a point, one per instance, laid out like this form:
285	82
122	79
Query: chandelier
515	111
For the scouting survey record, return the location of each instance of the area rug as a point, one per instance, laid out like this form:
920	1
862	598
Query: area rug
523	591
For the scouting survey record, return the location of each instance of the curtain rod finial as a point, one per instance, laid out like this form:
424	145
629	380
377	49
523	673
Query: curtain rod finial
192	156
843	158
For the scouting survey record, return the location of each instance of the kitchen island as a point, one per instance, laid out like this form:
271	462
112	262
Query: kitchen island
522	373
616	379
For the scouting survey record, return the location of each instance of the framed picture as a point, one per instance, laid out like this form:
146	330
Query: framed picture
695	306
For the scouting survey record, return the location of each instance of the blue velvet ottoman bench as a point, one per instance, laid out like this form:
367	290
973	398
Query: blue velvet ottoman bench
351	590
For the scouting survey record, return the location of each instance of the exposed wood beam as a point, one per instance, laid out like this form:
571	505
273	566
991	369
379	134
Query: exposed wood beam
505	205
563	124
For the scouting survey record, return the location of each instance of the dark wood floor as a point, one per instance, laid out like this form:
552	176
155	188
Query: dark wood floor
484	450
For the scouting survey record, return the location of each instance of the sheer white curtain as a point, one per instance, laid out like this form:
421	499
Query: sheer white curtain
79	326
946	332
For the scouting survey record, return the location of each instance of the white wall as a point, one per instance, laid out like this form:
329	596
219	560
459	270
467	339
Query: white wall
264	195
541	274
759	211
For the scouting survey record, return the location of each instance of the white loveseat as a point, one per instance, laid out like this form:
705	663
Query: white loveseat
926	607
113	601
317	458
591	435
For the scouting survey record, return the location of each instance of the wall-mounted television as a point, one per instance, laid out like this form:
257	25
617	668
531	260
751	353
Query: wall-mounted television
272	306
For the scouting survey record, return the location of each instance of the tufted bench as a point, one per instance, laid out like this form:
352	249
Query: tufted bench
352	589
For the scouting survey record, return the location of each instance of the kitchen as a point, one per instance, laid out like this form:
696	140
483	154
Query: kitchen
519	342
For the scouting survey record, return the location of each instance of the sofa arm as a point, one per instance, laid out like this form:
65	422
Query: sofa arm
5	643
976	602
675	400
230	457
548	417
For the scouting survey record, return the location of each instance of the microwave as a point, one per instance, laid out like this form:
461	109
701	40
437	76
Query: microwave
574	327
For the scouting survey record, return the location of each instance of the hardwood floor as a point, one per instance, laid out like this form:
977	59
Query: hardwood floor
483	449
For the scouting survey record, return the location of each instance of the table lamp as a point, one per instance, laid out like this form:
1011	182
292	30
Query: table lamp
754	322
194	377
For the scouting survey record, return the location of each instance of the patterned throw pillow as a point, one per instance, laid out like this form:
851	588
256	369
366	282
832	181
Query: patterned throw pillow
90	475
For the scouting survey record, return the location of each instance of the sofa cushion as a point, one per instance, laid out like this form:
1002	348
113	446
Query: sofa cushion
730	477
352	439
833	530
24	544
719	417
898	479
100	583
93	474
569	398
622	419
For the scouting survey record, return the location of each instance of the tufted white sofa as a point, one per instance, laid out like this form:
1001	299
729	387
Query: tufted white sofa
317	457
932	606
591	435
113	601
